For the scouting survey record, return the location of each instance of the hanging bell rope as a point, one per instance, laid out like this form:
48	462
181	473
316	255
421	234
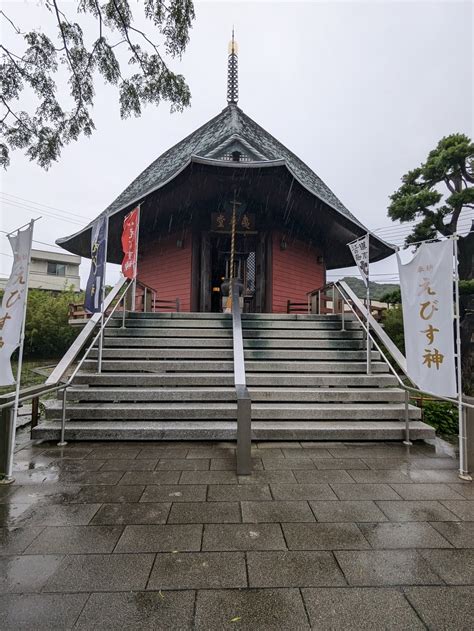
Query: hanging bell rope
228	306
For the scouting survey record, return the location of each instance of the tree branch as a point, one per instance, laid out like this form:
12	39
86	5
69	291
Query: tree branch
16	29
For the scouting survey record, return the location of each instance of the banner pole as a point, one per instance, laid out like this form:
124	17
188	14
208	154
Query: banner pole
20	359
369	356
102	319
463	473
135	271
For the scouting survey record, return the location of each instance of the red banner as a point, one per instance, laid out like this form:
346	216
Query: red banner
130	243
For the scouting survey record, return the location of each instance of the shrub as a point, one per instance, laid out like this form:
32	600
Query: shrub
441	415
47	332
393	325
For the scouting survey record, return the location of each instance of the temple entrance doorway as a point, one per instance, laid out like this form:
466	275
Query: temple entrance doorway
245	269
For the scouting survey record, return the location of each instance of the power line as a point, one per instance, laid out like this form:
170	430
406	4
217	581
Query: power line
36	210
29	201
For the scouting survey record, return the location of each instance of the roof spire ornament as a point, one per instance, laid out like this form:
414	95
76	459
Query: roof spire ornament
232	73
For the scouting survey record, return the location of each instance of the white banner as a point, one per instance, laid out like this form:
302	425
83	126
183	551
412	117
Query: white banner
426	284
13	303
360	252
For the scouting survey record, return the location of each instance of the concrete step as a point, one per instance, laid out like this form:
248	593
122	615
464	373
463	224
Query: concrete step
130	380
219	410
303	334
189	323
221	353
150	365
226	342
284	394
196	315
226	430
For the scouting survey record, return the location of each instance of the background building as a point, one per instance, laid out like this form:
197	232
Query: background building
52	271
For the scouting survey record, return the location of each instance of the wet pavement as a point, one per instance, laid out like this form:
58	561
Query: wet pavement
166	536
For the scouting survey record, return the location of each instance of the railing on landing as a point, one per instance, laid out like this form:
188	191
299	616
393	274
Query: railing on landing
59	379
244	404
370	325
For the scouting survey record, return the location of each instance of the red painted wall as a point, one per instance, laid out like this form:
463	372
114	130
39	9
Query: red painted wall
294	272
167	268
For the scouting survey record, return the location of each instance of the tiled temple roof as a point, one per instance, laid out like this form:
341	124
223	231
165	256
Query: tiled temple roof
231	125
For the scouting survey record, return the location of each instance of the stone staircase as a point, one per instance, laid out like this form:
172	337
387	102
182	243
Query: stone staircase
170	376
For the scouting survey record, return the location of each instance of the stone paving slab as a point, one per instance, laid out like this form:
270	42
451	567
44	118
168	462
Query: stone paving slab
323	536
460	534
238	492
164	493
138	611
101	572
416	510
205	513
30	612
57	514
360	609
160	538
198	570
348	511
463	509
265	610
293	569
386	567
302	492
129	465
444	607
75	540
403	535
27	573
455	567
150	535
276	511
126	514
243	537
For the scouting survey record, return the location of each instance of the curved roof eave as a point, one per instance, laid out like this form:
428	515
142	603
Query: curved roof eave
235	165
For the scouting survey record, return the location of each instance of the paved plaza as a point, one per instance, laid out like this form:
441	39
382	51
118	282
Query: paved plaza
166	536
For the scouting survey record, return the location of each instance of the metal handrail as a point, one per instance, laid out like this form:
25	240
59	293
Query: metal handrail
244	403
54	382
389	345
75	348
84	357
375	326
463	405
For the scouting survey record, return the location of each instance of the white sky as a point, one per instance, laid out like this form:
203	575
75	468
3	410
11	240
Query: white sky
361	91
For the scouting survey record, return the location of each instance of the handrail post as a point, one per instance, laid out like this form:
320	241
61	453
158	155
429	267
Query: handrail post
407	440
367	321
343	311
124	311
101	345
244	431
62	442
244	404
6	452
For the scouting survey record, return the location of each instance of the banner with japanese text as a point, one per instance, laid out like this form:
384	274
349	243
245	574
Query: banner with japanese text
426	284
130	243
95	282
13	303
360	252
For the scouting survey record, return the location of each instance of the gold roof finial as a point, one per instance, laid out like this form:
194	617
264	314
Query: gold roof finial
232	72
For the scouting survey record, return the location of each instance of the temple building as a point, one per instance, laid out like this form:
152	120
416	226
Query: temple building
290	227
230	205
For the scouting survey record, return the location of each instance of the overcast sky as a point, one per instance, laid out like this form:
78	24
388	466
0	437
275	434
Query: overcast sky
361	91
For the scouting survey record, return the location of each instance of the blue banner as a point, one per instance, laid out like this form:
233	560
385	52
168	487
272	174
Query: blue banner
95	283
